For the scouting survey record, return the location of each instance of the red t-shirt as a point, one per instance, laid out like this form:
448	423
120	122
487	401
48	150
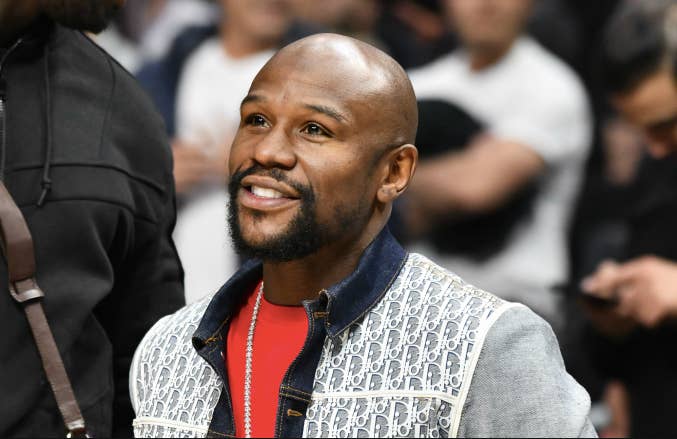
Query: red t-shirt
278	339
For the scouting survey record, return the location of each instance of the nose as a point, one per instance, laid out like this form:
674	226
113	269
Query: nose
275	150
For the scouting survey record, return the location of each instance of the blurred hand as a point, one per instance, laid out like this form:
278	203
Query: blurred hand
645	288
191	166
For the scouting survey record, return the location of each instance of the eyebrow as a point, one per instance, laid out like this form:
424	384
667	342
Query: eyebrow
324	109
252	98
331	112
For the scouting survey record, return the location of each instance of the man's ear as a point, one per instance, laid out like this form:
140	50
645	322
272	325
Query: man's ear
401	165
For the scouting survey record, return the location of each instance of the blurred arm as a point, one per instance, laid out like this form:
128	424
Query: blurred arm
481	178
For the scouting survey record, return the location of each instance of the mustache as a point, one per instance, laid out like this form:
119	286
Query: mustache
305	191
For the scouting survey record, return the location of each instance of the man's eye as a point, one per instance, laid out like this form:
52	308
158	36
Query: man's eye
256	120
314	130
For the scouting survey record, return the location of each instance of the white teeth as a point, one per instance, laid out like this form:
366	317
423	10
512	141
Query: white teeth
265	192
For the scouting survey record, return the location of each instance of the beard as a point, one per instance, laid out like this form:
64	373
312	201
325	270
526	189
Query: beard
84	15
303	236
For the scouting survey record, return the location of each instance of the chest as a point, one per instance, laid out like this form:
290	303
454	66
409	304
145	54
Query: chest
397	373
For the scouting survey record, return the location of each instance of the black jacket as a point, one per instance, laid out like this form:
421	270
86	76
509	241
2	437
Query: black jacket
82	136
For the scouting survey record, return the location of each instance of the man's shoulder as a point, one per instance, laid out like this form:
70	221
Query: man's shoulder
171	334
120	113
436	282
178	326
423	284
522	354
166	365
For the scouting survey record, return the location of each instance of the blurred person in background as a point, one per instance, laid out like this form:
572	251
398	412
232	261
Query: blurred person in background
415	31
144	30
86	158
202	82
634	302
535	134
354	18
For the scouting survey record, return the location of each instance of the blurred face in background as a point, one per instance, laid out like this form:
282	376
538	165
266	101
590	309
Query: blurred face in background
652	106
264	20
339	14
488	24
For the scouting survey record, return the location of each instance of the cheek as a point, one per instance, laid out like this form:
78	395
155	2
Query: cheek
342	185
237	154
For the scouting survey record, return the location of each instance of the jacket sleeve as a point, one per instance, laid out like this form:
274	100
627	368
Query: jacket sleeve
520	387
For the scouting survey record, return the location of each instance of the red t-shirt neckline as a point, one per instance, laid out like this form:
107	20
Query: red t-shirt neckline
279	336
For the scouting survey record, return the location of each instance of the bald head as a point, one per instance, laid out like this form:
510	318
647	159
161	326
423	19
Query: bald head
357	72
322	151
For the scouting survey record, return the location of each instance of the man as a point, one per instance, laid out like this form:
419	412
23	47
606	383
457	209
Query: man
84	156
334	330
640	65
535	139
639	295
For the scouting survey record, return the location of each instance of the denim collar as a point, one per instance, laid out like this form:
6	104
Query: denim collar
347	301
351	298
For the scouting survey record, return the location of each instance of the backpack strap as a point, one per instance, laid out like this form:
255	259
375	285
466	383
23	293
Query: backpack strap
17	244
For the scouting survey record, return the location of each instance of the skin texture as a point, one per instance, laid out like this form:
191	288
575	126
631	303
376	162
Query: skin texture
487	27
254	25
652	107
492	169
337	117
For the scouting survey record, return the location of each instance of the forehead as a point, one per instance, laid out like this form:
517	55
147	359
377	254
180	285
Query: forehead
294	90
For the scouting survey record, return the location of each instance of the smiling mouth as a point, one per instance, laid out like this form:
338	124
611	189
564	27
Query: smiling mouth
260	198
268	193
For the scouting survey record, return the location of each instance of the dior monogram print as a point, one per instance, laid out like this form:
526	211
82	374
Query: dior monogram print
173	390
403	370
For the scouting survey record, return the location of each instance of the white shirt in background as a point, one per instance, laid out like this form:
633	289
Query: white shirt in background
175	17
532	98
211	89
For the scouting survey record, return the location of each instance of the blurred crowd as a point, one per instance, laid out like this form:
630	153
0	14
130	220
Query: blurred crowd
545	136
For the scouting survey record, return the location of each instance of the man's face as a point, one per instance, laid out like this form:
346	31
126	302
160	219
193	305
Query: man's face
88	15
652	106
488	23
300	163
266	20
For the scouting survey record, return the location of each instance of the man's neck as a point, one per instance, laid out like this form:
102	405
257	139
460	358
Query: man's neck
290	283
239	44
484	57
